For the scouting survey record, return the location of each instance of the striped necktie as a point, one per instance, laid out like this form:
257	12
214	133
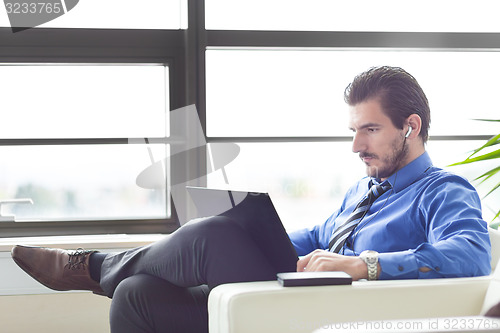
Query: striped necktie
340	235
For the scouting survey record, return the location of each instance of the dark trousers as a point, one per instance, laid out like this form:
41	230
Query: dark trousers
144	303
164	287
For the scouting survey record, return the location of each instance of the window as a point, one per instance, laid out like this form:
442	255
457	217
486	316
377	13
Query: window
272	85
268	96
275	86
84	100
307	180
94	179
87	112
300	93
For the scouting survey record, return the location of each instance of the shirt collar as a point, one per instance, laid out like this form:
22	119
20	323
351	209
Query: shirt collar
410	172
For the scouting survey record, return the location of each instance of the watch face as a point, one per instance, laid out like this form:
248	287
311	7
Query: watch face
369	256
371	260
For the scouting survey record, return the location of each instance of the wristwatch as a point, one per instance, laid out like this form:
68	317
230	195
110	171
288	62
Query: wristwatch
371	259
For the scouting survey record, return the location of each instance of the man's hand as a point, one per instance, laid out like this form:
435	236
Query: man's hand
321	261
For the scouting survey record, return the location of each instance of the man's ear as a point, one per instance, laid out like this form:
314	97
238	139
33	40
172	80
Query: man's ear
415	122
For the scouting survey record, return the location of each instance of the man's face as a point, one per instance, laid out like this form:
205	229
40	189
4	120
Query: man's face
380	145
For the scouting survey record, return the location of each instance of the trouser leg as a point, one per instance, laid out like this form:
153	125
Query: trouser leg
146	304
212	252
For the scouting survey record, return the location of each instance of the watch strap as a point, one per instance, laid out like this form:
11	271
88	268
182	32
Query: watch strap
371	260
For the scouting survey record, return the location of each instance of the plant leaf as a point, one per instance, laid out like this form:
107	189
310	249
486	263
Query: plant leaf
488	174
493	120
488	156
498	214
492	190
491	142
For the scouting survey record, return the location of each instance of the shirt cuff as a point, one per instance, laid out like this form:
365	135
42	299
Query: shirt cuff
398	265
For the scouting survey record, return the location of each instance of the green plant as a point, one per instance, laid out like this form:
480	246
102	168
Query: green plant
494	154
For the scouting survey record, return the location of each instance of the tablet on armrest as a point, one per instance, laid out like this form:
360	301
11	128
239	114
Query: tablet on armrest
296	279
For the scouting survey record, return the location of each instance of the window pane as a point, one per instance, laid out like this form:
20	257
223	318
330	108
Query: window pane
307	181
80	182
83	101
354	15
300	93
119	14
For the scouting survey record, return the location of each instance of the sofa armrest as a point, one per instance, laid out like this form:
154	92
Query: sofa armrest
269	307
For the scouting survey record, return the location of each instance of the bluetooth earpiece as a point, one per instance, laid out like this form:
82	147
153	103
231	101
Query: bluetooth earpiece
409	131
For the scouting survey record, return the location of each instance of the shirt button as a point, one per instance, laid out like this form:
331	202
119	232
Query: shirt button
400	268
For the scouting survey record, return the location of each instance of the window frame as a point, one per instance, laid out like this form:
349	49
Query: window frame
184	52
349	40
95	46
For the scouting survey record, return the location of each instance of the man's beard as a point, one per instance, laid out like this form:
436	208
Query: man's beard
390	163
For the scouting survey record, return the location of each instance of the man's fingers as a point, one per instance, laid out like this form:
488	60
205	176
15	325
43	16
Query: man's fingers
310	261
302	263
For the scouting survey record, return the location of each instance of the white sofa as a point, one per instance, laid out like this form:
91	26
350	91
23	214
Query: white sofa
268	307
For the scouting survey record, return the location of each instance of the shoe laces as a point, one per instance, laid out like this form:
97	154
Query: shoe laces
77	259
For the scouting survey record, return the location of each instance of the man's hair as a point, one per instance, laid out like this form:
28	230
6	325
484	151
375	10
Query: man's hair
398	92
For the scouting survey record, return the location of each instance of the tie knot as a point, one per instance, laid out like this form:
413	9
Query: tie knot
377	189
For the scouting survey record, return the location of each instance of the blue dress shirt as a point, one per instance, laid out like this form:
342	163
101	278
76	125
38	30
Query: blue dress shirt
430	218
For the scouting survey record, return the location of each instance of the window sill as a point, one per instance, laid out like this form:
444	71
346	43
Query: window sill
118	241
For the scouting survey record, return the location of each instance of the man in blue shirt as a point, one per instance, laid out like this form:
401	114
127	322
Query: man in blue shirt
417	221
428	224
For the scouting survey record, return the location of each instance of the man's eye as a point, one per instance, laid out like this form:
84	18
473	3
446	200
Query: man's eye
371	130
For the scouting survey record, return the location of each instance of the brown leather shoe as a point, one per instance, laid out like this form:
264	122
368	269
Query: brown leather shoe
57	269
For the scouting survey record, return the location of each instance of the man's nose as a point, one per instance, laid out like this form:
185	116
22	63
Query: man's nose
358	144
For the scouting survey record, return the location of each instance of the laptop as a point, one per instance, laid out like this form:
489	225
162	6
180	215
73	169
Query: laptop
256	214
